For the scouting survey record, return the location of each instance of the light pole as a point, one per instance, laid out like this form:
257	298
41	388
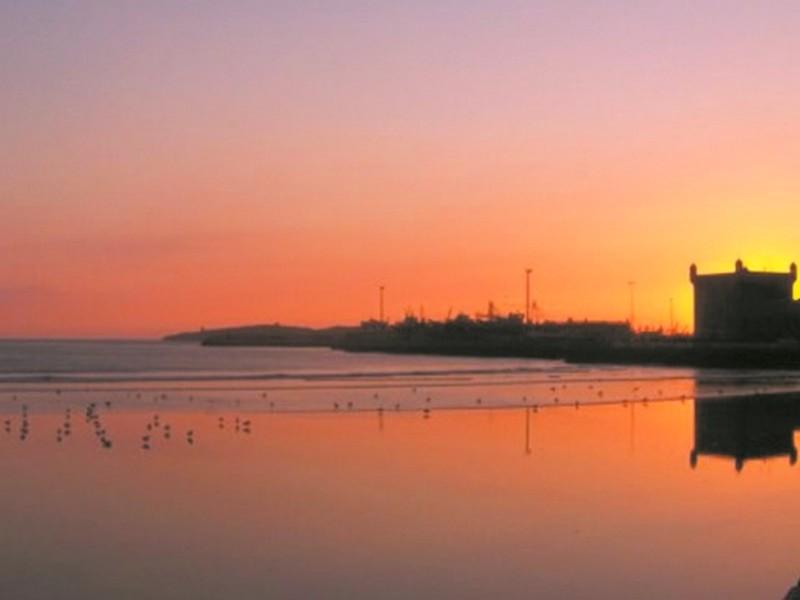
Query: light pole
380	307
671	317
632	285
527	296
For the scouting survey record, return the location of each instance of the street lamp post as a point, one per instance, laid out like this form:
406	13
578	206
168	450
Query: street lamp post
632	285
527	296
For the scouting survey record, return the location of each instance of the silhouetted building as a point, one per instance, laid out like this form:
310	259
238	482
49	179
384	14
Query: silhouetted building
746	428
745	305
601	331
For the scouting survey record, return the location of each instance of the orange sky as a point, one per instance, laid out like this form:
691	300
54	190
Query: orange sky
165	168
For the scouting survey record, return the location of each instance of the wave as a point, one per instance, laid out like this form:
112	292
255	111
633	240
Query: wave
129	377
542	373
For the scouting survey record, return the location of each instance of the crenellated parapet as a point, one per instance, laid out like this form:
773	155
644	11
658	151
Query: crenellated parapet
745	305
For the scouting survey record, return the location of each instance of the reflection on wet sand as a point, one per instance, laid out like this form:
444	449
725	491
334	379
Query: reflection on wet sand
746	428
727	423
444	481
741	427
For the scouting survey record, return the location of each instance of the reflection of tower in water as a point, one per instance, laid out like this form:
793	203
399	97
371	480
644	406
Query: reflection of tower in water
633	429
527	431
746	428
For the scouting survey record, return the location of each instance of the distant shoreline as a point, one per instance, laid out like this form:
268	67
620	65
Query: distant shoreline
575	343
691	355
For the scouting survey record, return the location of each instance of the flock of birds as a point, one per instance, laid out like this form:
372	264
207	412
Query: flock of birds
93	420
554	399
158	429
148	438
154	428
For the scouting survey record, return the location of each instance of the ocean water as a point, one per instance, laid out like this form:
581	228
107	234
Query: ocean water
152	470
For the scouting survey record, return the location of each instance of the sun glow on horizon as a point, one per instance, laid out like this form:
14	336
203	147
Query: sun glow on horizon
167	168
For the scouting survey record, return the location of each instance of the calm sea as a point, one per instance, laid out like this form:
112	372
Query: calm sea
153	470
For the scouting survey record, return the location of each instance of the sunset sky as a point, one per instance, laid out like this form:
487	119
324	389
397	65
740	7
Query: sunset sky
169	165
